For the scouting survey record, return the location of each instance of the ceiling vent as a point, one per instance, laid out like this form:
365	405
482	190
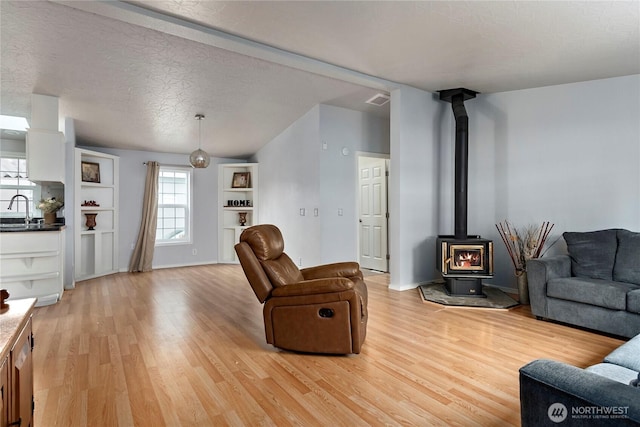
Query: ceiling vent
379	99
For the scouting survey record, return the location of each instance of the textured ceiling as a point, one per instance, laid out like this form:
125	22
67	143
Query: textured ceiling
488	46
138	82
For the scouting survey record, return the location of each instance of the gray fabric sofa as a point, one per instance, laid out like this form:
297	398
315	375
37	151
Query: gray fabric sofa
595	286
607	394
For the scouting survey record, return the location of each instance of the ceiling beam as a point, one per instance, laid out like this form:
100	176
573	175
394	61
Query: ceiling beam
185	29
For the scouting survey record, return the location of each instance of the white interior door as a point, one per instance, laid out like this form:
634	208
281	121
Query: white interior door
372	182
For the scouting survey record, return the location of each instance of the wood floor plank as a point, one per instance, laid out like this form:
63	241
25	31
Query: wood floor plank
186	347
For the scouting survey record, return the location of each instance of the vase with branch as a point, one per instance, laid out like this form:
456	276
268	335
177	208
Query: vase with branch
523	244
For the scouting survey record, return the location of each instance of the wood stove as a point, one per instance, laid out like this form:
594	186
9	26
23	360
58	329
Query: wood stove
463	264
463	260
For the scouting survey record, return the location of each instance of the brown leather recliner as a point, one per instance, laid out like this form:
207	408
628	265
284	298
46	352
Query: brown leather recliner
320	309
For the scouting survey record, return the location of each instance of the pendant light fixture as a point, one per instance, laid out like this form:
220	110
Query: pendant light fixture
199	158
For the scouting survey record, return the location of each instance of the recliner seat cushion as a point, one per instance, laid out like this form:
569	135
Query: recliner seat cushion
627	265
592	253
602	293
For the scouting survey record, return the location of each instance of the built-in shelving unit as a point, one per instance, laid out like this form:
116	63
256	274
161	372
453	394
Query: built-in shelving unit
237	193
96	251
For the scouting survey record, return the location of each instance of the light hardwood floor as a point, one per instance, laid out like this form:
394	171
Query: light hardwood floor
185	347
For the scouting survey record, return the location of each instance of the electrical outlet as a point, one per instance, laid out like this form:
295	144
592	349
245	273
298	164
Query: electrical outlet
339	212
315	212
302	212
133	246
194	252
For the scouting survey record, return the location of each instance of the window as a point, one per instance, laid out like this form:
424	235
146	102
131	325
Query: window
174	206
13	180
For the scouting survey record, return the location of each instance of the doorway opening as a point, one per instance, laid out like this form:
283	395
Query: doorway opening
373	212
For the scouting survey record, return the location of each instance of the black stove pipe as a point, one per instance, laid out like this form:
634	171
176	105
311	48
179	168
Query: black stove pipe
462	166
457	98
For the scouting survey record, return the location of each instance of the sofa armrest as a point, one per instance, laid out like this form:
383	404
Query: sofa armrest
539	272
313	287
545	382
338	269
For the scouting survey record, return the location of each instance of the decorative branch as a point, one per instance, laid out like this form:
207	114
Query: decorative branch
525	243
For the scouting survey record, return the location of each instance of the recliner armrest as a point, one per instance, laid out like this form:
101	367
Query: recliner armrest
313	287
338	269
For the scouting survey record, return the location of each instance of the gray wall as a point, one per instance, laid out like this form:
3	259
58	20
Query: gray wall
305	168
413	190
568	154
205	214
344	134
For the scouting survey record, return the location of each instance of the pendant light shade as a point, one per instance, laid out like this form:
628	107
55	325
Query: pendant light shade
199	159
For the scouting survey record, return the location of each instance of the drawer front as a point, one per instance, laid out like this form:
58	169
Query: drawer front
34	288
28	266
30	241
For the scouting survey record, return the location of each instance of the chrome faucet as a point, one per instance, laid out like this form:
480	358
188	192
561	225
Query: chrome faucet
27	219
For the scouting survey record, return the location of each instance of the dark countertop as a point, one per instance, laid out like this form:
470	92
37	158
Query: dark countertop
14	227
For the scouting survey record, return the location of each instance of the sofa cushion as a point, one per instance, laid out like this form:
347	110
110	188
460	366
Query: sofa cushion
627	264
614	372
592	253
633	301
603	293
627	355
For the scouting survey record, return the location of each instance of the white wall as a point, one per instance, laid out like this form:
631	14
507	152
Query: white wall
413	186
304	168
205	214
567	154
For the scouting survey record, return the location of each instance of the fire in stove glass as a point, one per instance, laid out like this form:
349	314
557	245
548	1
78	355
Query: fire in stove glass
467	258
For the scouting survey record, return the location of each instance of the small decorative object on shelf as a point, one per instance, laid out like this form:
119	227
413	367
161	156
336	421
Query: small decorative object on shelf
91	220
238	203
91	203
4	294
90	172
241	180
524	244
242	218
49	207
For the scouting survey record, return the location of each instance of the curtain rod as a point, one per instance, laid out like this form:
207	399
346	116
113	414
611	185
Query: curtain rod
171	166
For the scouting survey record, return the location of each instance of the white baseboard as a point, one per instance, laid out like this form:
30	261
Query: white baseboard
161	267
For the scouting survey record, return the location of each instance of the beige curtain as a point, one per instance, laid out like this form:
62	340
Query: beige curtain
142	256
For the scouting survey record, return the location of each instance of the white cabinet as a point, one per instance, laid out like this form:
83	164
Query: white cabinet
45	144
31	265
237	199
45	155
96	195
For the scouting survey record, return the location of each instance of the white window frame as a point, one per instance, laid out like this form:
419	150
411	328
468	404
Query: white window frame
33	210
189	211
